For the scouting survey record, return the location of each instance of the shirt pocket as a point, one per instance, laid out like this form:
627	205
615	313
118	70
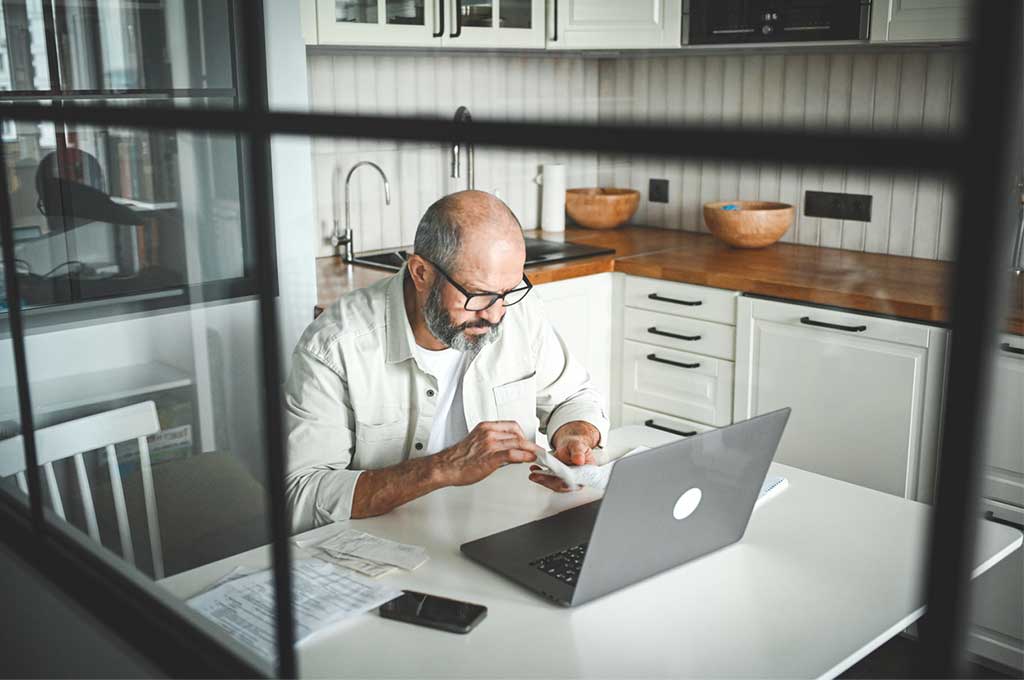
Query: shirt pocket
517	401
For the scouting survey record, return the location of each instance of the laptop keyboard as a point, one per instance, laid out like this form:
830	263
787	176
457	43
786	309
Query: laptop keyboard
564	564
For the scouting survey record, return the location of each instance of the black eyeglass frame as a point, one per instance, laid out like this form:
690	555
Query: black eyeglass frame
497	296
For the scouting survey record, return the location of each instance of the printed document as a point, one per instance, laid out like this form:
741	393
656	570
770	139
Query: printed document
323	595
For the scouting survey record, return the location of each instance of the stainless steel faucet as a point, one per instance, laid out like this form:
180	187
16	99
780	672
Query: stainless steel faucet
338	240
462	115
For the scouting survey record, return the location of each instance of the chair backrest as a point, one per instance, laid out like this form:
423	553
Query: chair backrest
100	431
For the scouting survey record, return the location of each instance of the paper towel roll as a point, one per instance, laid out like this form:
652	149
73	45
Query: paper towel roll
552	197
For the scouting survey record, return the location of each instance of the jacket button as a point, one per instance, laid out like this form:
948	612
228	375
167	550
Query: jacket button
419	446
430	393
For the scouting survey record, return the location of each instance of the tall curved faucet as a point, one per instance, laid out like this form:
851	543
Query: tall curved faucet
346	240
462	115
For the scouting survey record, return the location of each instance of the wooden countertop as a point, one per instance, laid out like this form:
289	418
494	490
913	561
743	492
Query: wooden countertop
904	287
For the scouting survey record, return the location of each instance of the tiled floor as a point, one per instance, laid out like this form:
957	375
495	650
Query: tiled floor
895	659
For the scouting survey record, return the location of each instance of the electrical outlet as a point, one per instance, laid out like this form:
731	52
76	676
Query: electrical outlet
657	192
838	206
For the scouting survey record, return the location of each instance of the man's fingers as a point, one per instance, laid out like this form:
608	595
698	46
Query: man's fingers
576	452
519	455
502	426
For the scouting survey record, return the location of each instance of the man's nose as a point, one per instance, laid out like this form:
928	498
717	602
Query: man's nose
494	313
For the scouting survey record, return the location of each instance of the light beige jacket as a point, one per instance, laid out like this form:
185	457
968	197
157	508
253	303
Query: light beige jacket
357	399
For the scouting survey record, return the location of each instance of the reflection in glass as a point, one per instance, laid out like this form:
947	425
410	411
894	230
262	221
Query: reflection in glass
113	211
355	11
405	12
477	13
515	14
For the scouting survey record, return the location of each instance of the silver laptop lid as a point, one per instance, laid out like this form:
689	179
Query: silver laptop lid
679	501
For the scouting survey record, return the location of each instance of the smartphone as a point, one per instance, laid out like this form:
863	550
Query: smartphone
432	611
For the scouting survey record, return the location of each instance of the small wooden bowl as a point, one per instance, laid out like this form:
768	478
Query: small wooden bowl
754	224
601	208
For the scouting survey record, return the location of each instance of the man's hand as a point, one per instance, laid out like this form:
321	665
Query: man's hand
489	446
573	444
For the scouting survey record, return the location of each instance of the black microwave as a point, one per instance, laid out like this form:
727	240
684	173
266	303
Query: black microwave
721	22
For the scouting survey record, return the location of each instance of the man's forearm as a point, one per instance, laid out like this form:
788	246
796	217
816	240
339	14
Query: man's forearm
380	491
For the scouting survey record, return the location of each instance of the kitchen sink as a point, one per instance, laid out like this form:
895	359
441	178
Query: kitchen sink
538	251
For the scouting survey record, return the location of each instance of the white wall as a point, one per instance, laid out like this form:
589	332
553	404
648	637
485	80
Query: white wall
881	90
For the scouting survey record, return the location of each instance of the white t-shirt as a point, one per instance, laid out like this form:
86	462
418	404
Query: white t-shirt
448	366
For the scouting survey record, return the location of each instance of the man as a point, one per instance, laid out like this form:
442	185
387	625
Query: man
436	376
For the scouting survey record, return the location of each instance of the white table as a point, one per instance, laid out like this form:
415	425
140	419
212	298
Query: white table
826	573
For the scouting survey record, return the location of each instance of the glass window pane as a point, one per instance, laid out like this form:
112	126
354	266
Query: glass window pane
103	213
516	13
405	12
355	11
478	13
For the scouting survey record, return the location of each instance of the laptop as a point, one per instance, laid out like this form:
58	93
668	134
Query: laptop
661	508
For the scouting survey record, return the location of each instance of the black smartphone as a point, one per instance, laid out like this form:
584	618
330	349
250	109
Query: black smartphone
432	611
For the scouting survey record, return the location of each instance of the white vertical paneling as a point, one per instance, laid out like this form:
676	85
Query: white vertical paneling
771	116
794	87
887	82
884	91
674	104
837	117
751	117
815	112
693	172
908	119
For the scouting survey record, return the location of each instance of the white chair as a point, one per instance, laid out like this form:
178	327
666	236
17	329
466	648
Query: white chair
70	440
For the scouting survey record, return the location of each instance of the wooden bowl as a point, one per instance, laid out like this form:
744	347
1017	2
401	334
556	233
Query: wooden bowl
753	224
601	208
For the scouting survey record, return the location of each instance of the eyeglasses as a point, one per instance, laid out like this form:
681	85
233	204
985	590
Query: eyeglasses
478	302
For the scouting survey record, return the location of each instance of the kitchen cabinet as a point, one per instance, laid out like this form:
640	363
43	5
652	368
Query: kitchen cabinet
865	391
614	24
675	353
580	310
920	20
997	630
430	23
633	415
997	620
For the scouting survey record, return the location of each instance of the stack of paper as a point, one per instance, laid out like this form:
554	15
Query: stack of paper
366	554
323	595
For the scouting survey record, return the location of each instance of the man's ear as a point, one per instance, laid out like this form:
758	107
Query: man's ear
420	272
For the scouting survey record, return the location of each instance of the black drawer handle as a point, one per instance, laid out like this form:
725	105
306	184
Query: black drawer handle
991	516
1007	347
688	303
651	424
852	329
440	11
680	364
653	330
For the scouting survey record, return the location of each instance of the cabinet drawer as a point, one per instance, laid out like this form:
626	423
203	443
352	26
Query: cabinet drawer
841	323
997	624
677	383
1004	473
682	333
632	415
681	299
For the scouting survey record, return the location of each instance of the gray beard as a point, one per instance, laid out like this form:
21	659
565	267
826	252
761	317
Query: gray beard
439	323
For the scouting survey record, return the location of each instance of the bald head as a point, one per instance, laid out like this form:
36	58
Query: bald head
468	229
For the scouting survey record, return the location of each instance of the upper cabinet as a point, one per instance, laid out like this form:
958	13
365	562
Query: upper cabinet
614	24
427	23
920	20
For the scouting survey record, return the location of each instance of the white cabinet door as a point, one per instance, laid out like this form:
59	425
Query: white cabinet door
307	13
378	22
690	386
865	399
614	24
997	630
494	23
581	311
920	20
632	415
1004	473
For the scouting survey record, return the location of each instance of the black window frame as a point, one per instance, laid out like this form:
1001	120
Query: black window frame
980	159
